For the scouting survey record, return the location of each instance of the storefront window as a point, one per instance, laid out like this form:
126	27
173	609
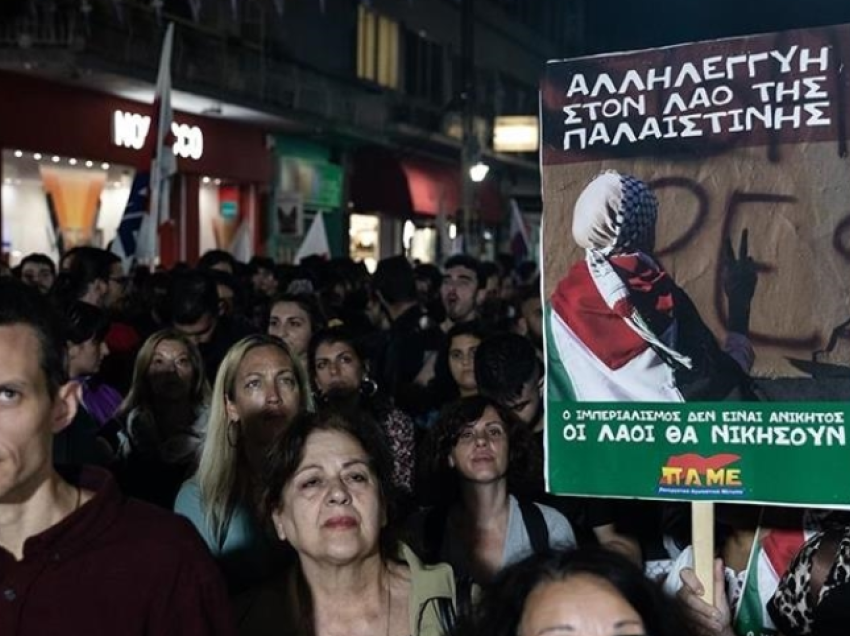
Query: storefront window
52	203
364	239
423	244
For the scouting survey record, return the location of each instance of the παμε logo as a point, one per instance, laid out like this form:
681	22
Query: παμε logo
695	475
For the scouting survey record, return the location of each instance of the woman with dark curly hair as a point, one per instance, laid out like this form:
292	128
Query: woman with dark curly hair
587	591
476	459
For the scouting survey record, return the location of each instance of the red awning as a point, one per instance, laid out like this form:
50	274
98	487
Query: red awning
383	182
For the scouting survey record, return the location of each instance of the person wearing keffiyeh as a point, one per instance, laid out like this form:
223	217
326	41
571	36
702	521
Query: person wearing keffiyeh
619	327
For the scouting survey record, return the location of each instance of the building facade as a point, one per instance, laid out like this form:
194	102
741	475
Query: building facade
369	112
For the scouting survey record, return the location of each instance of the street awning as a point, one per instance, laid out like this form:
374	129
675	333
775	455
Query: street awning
403	187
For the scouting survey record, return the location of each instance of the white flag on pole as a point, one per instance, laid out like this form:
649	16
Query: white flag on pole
242	245
520	242
164	164
315	242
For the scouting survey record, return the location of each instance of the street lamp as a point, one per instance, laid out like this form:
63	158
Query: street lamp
478	172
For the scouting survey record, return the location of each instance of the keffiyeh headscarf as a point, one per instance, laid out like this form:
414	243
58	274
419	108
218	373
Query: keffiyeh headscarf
615	214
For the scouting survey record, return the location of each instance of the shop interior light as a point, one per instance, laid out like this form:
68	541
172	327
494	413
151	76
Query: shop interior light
205	180
89	164
104	165
217	182
19	154
407	234
37	156
452	231
55	159
479	171
72	161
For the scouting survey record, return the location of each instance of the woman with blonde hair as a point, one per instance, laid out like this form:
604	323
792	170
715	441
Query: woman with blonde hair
259	389
163	418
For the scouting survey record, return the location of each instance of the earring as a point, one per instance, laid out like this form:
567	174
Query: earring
233	433
368	386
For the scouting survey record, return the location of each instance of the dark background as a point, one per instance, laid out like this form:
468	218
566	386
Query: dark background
621	25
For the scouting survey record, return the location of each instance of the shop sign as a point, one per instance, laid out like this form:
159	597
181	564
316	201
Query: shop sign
318	183
130	130
515	134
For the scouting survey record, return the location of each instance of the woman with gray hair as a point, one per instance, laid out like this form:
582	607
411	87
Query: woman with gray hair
260	388
619	326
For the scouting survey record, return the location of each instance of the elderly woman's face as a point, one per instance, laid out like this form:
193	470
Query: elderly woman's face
331	509
266	395
171	373
481	452
337	368
582	604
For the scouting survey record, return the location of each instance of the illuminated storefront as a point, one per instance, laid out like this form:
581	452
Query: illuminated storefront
70	156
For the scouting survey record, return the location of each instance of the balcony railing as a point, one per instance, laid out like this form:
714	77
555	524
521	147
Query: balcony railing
124	37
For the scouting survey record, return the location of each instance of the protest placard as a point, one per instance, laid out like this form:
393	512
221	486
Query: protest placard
696	273
743	143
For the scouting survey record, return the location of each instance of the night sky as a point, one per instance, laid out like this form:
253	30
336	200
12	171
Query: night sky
621	25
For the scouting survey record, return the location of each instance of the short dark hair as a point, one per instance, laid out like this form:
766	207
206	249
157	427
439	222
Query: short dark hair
486	269
526	272
501	607
394	280
229	280
192	294
39	259
528	292
333	335
504	363
429	272
441	480
85	265
23	305
308	302
287	452
84	321
469	262
211	258
226	279
260	262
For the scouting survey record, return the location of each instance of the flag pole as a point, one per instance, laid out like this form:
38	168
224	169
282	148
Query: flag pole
163	163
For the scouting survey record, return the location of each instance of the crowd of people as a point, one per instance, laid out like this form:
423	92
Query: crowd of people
259	448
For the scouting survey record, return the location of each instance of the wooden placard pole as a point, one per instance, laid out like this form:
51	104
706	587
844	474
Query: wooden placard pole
702	537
